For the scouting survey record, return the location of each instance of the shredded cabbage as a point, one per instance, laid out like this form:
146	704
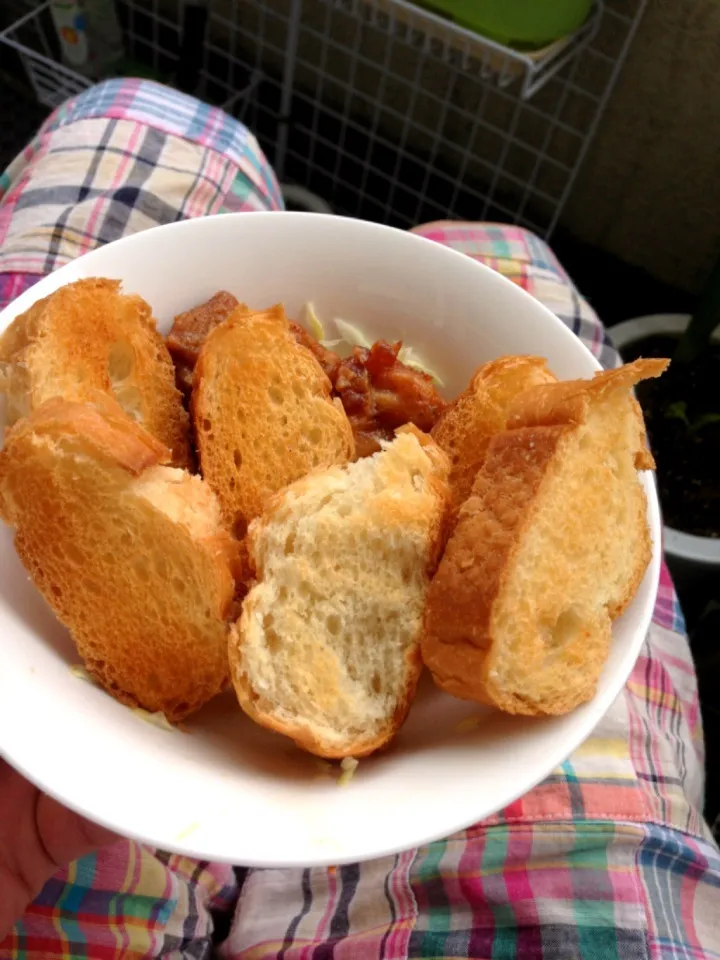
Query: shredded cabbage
408	356
349	336
79	671
313	321
184	834
157	719
348	766
468	725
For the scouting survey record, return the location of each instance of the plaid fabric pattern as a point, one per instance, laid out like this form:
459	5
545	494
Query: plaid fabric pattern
530	263
177	114
124	902
608	858
121	157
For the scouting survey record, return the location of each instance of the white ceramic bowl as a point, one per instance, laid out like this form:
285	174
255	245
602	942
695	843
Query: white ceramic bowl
227	790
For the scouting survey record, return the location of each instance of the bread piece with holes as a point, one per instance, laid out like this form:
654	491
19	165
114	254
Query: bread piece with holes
326	650
130	554
466	428
262	413
88	336
549	548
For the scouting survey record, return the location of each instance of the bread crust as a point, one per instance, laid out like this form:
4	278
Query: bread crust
260	709
262	713
567	401
477	559
467	426
88	337
71	475
463	638
262	412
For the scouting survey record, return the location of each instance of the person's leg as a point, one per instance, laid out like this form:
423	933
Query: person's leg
122	157
126	901
608	857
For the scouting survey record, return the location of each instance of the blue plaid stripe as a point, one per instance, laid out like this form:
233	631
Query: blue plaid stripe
177	113
672	862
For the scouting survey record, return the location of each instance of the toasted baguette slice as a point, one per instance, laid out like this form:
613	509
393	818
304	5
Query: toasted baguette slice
262	413
551	545
568	403
468	425
327	648
85	337
130	554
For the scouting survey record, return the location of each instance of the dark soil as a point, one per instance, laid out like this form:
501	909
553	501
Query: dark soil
682	411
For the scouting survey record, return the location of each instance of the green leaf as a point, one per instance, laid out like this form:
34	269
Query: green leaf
676	411
704	421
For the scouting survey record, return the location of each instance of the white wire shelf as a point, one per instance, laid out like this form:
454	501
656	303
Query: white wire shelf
465	50
52	81
379	107
394	124
32	38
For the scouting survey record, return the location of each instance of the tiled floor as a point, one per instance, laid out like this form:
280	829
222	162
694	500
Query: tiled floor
601	278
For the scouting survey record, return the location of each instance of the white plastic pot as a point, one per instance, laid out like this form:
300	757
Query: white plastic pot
701	554
304	199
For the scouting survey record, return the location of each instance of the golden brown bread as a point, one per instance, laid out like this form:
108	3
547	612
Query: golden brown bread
130	554
468	425
86	337
551	545
326	650
262	413
569	401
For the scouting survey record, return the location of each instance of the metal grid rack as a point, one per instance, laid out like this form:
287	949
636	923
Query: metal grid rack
51	80
152	40
471	53
395	125
381	108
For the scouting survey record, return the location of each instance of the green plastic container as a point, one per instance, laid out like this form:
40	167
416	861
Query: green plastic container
521	24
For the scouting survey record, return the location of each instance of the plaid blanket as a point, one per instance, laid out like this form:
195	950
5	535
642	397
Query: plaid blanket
607	858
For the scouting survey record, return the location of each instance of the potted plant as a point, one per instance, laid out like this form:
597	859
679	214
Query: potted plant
682	412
